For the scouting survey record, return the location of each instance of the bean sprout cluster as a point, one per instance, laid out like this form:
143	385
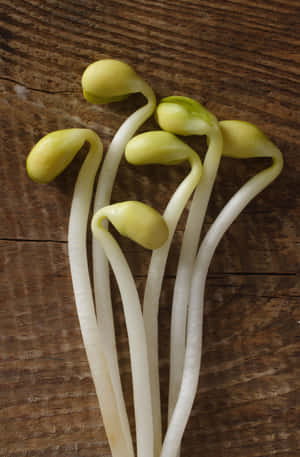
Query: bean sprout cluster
107	81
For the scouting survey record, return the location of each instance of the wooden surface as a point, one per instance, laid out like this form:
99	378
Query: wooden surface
239	58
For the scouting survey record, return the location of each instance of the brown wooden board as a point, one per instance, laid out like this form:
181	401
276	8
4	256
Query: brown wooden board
239	58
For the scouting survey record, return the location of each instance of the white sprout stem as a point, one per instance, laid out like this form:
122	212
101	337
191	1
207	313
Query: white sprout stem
85	304
152	293
193	353
187	256
100	265
136	339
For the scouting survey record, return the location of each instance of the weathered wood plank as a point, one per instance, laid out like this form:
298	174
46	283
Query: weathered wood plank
242	60
250	357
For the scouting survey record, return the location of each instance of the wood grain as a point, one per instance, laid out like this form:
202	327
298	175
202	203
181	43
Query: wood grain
241	59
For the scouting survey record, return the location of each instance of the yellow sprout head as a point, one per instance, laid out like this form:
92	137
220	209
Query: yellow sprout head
157	147
242	140
136	221
184	116
54	152
109	80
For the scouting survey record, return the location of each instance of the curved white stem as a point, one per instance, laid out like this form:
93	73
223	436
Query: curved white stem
84	299
192	360
100	265
187	256
153	287
137	341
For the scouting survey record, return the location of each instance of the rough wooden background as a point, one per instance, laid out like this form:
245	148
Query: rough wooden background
241	59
